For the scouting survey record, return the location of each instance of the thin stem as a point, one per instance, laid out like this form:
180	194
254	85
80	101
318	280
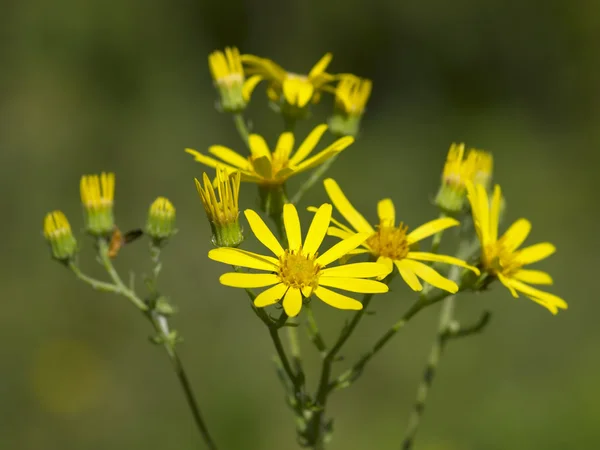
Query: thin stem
95	284
241	126
315	176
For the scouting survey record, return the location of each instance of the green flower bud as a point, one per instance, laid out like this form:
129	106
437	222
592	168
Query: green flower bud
351	96
161	220
228	75
97	194
57	232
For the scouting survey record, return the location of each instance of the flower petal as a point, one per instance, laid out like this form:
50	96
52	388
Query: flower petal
341	248
345	208
506	282
258	146
292	302
337	300
495	213
356	270
533	276
431	228
409	276
552	302
243	258
291	222
318	229
308	144
516	234
229	156
386	212
359	285
484	212
430	276
207	160
297	91
389	266
336	232
534	253
422	256
262	232
284	146
248	280
325	154
320	66
249	86
270	296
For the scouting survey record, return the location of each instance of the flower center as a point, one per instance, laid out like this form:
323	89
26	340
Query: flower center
498	259
297	270
389	241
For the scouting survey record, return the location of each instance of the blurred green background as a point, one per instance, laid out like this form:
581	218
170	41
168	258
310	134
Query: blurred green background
124	86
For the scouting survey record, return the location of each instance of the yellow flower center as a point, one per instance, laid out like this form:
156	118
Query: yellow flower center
390	242
297	270
278	163
498	259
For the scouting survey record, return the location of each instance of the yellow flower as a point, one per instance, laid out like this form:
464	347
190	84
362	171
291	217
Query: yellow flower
57	232
500	257
222	212
392	244
161	219
299	271
351	96
97	195
294	89
476	168
273	168
228	75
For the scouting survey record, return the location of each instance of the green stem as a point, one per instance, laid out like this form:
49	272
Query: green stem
241	126
314	177
95	284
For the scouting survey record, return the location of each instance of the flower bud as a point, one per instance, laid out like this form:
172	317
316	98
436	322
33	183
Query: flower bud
351	96
57	232
161	220
97	194
223	213
228	75
475	168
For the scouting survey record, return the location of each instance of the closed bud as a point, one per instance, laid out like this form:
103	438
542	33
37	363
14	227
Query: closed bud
351	96
228	75
161	220
222	212
97	197
57	232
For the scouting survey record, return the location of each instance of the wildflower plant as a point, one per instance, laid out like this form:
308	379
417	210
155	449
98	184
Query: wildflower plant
364	259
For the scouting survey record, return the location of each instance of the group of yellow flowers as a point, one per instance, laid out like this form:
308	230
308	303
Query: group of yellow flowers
297	267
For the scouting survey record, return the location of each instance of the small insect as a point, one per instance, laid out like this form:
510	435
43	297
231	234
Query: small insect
118	240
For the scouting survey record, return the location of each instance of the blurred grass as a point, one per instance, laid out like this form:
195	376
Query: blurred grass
122	86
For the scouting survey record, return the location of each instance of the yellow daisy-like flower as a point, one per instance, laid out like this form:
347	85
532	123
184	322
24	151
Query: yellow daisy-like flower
351	96
228	74
295	89
500	257
97	197
299	271
474	166
391	244
222	212
273	168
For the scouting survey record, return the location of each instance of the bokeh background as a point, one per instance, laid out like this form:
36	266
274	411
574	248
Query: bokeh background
124	86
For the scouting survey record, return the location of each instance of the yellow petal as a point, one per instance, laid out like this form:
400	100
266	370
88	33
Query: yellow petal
337	300
324	155
409	276
516	234
422	256
386	212
341	248
308	144
207	160
258	146
317	230
345	208
431	228
249	86
292	302
336	232
534	253
337	223
243	258
262	232
430	276
248	280
292	226
270	296
388	264
262	166
320	66
495	213
284	146
533	276
356	270
307	291
359	285
484	212
552	302
229	156
506	282
297	91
